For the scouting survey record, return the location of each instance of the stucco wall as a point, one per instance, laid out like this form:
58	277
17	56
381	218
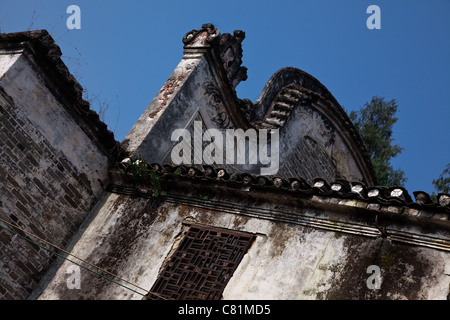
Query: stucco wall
132	237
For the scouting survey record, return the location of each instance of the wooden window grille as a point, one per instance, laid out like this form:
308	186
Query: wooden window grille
202	265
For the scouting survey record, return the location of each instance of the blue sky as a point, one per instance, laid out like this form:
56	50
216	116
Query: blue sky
126	50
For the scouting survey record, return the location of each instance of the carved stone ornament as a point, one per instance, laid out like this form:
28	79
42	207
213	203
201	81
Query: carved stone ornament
316	126
202	37
216	110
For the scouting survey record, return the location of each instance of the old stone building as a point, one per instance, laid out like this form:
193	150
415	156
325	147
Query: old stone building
142	221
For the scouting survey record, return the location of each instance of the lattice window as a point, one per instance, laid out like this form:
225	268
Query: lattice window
202	265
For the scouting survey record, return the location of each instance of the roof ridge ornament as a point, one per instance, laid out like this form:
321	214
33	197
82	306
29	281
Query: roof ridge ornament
229	48
202	37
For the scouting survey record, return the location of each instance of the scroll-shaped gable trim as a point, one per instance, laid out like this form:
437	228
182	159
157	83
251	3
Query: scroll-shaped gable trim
290	89
284	77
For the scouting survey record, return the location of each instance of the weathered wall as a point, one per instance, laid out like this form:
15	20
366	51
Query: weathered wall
51	173
132	237
53	168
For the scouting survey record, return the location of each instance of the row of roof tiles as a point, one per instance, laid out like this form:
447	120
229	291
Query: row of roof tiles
340	188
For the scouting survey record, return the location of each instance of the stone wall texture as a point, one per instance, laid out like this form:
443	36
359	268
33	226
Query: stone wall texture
51	175
134	238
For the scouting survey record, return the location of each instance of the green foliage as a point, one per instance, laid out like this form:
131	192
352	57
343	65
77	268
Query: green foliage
155	180
139	170
374	122
142	175
442	184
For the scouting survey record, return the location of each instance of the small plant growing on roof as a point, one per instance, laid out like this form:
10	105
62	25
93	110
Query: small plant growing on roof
141	174
139	170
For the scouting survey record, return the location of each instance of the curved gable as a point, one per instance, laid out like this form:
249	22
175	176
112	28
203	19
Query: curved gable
317	139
